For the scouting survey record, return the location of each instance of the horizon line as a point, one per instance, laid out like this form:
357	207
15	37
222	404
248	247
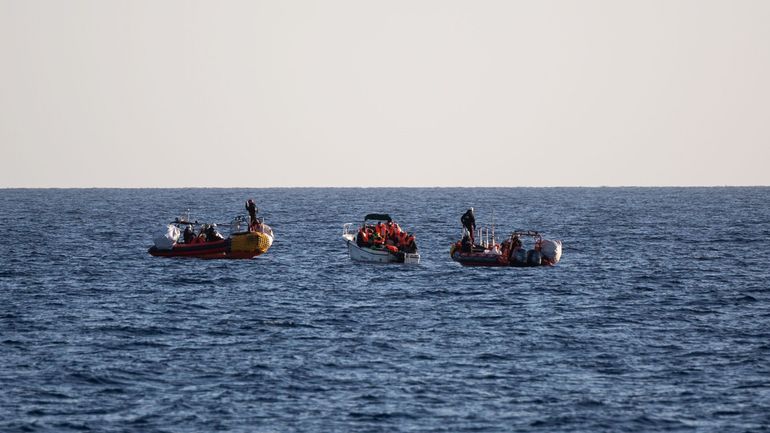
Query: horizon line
381	187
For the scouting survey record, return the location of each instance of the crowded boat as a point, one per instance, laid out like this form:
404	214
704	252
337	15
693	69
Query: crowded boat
524	248
380	239
248	238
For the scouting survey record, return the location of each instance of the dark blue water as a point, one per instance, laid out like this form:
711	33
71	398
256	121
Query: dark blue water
657	318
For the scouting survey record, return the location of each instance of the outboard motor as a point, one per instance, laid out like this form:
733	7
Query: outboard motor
533	258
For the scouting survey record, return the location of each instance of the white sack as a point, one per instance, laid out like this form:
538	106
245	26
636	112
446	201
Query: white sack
551	250
166	239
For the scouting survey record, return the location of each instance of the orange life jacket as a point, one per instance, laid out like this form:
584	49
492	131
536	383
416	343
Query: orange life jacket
378	240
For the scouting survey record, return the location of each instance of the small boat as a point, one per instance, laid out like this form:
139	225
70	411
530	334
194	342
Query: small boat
521	249
244	241
371	242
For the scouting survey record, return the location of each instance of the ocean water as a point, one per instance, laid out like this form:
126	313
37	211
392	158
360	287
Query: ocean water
656	319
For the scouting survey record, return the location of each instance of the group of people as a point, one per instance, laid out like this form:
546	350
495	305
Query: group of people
389	235
386	235
207	233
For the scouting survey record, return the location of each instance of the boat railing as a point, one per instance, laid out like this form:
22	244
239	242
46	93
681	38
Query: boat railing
266	229
348	229
527	233
483	236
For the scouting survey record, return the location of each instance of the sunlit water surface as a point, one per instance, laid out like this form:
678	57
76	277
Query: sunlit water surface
657	318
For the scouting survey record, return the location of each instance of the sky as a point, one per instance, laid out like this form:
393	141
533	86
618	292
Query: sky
184	93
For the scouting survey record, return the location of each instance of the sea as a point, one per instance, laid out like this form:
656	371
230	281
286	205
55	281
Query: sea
657	318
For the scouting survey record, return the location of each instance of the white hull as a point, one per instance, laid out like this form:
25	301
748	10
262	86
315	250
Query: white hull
375	255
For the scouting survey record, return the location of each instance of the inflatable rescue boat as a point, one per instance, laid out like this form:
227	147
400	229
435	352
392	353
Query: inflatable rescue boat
245	241
521	249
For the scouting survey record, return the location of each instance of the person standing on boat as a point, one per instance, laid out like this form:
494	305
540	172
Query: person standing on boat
251	207
469	222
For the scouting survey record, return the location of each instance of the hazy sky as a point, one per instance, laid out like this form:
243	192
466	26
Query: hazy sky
384	93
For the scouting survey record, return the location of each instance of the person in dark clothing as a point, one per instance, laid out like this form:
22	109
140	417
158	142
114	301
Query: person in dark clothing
469	222
188	234
251	207
465	244
212	234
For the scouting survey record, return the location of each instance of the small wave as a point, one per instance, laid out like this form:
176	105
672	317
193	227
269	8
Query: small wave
553	421
283	323
721	413
381	416
369	398
492	357
424	357
14	274
753	385
590	403
746	299
135	331
181	281
94	379
658	422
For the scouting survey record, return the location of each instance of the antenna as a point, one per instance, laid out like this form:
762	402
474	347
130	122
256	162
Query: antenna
494	240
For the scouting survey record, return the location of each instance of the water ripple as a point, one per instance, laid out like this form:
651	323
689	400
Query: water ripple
656	320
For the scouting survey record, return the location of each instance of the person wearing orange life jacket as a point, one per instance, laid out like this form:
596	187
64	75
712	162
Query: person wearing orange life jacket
411	246
401	240
397	232
362	239
369	236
